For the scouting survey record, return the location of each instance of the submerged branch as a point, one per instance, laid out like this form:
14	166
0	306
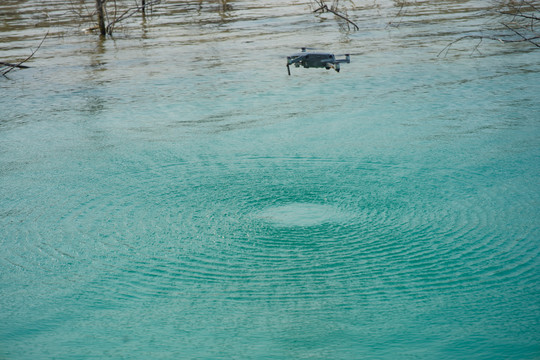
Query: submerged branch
20	65
13	65
495	38
480	37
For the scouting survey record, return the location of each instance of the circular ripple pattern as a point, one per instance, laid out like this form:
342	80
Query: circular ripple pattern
218	208
247	232
300	235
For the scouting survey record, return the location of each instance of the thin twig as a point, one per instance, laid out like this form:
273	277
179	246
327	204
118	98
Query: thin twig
447	47
129	13
391	23
324	8
519	19
533	17
522	36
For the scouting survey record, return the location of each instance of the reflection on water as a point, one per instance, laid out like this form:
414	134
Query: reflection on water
171	192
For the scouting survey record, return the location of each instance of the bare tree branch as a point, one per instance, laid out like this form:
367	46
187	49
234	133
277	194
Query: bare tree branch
480	37
391	23
534	17
323	7
523	17
529	39
129	13
19	65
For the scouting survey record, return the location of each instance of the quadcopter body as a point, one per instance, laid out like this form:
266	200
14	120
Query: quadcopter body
316	59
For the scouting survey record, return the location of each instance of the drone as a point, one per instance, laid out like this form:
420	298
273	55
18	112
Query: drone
316	59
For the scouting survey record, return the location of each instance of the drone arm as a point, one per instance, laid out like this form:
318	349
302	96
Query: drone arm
291	60
346	60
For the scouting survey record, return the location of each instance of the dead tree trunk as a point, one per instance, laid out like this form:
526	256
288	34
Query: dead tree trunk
100	4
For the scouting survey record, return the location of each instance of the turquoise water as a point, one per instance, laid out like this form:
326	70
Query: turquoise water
172	193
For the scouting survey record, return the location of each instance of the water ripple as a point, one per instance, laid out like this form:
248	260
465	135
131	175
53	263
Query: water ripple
256	241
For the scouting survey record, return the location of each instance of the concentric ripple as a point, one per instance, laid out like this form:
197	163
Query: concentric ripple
255	240
303	214
214	207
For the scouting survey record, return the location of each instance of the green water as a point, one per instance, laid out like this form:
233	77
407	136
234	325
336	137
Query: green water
172	193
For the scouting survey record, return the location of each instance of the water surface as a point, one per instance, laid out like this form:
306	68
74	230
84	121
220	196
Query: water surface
171	192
